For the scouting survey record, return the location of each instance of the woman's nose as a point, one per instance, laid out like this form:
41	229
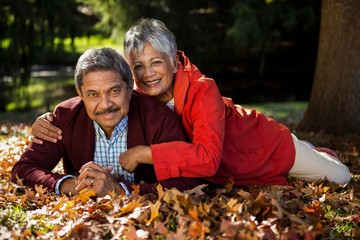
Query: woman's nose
149	71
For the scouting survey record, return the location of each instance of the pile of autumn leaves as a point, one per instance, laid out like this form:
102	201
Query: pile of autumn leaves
297	211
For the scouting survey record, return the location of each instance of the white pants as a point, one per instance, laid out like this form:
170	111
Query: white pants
311	165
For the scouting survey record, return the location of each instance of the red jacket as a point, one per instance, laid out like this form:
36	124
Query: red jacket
149	122
227	140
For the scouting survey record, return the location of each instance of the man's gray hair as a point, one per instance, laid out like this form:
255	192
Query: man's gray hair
153	32
103	59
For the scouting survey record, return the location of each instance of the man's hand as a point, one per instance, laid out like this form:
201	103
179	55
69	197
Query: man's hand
94	176
42	129
130	159
68	187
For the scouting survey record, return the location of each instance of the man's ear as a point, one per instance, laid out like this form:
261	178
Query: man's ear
79	92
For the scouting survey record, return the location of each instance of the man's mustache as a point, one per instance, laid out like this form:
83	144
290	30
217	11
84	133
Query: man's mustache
109	110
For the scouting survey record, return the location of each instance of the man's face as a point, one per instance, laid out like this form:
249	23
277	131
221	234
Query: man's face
106	97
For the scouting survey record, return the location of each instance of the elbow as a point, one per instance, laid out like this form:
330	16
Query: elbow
14	176
212	170
212	166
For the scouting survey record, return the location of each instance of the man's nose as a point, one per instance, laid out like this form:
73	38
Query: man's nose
105	101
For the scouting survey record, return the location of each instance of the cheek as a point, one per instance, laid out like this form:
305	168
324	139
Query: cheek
137	75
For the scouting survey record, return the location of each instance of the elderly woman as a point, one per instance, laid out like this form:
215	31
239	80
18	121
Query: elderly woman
226	142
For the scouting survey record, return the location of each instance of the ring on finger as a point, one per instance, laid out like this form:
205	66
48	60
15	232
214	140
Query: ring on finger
91	181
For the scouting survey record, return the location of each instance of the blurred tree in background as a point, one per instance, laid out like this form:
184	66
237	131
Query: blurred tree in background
273	41
228	40
334	103
214	32
33	32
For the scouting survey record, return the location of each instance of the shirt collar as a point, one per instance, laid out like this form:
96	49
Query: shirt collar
118	130
171	104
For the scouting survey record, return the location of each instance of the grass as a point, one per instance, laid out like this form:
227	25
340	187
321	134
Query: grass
288	112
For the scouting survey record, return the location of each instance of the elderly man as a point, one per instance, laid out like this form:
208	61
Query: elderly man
107	118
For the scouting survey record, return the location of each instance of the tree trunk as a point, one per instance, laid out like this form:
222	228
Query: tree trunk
334	105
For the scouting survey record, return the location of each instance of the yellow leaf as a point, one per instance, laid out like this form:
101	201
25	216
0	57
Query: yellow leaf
85	194
130	207
59	204
154	211
136	189
231	203
160	191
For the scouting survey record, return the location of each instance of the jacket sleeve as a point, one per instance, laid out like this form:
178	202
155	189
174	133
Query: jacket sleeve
36	164
203	120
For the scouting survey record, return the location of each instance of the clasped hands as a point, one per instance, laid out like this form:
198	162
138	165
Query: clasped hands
99	178
92	176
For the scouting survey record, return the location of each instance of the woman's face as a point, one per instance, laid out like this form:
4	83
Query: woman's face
153	73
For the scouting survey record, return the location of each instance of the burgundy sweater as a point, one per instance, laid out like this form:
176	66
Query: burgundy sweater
150	122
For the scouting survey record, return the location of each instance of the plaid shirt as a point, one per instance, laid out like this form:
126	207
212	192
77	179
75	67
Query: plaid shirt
107	151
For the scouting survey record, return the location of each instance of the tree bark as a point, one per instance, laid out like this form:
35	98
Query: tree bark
334	105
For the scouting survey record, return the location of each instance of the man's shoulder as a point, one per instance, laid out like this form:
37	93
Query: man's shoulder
70	104
143	101
69	110
146	105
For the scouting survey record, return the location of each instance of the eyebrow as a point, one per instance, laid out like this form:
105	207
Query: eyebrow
114	86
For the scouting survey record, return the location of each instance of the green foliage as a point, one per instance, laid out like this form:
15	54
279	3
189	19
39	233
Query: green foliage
264	26
32	30
214	34
261	25
340	228
112	16
13	215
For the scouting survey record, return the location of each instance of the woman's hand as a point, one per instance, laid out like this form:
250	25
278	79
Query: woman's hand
130	159
94	176
42	129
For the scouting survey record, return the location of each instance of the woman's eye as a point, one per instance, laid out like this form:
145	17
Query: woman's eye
137	67
157	62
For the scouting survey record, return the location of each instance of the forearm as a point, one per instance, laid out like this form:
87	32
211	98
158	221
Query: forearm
180	159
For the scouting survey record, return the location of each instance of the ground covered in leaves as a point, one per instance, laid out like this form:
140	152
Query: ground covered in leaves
297	211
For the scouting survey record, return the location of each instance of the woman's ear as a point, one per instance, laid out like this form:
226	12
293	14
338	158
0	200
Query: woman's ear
176	63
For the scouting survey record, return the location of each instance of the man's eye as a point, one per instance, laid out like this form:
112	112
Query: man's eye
92	95
115	91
